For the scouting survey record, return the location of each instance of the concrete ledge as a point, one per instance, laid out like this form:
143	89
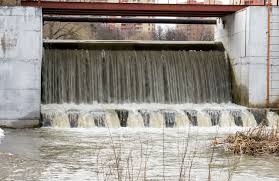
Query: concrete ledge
134	45
19	123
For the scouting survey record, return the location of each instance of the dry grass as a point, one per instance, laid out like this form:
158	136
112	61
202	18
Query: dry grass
255	141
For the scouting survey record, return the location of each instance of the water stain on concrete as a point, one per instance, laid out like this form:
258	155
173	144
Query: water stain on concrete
8	42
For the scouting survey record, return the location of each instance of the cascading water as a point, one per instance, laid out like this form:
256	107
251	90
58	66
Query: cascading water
273	119
155	86
122	76
151	115
1	134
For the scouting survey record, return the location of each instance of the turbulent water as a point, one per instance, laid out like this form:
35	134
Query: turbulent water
1	134
49	154
152	116
134	76
92	86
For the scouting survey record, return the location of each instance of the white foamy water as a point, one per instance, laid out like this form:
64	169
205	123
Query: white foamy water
146	115
273	119
1	134
135	120
181	120
226	120
248	119
203	119
137	106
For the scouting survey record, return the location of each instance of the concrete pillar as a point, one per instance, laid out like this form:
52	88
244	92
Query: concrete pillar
20	66
244	35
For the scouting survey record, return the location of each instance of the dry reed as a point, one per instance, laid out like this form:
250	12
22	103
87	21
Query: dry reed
255	141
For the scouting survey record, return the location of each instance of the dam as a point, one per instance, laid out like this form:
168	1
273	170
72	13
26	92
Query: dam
233	70
134	109
121	79
138	84
131	72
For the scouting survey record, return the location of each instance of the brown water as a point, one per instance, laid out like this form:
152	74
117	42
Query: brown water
154	154
134	76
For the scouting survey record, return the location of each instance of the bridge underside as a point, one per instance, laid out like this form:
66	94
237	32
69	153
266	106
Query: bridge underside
134	9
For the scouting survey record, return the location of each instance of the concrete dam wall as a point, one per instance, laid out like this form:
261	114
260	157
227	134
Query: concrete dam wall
20	66
21	48
244	35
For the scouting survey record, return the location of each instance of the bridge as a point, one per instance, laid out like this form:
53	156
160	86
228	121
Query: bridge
134	9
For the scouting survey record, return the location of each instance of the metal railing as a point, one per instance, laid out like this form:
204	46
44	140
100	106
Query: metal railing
205	2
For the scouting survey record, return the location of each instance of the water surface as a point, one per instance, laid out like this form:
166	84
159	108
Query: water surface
126	153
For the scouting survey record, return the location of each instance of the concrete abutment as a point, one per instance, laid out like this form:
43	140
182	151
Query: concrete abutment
244	35
20	66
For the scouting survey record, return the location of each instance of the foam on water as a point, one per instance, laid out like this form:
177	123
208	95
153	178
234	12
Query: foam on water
226	119
135	120
156	120
203	119
148	115
86	120
248	119
1	134
142	106
273	119
181	120
57	119
112	120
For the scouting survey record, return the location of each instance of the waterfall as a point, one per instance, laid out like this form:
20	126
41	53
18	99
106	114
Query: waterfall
112	120
112	85
1	134
248	119
203	119
134	76
181	120
55	119
135	120
273	119
152	116
226	119
156	120
86	120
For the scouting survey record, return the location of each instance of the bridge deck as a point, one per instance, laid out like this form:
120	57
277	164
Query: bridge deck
134	9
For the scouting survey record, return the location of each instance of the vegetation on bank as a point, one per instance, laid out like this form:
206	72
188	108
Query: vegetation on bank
255	141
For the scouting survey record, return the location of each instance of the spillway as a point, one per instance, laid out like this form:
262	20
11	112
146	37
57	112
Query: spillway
138	84
143	75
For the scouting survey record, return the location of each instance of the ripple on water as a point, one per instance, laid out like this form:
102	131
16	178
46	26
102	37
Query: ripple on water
105	154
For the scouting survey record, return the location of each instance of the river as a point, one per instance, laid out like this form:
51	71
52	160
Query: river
126	154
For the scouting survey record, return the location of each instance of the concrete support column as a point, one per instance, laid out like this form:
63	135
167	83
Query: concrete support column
20	66
244	35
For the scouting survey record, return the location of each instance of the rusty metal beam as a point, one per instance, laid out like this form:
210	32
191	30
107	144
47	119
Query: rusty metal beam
134	9
127	20
268	56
